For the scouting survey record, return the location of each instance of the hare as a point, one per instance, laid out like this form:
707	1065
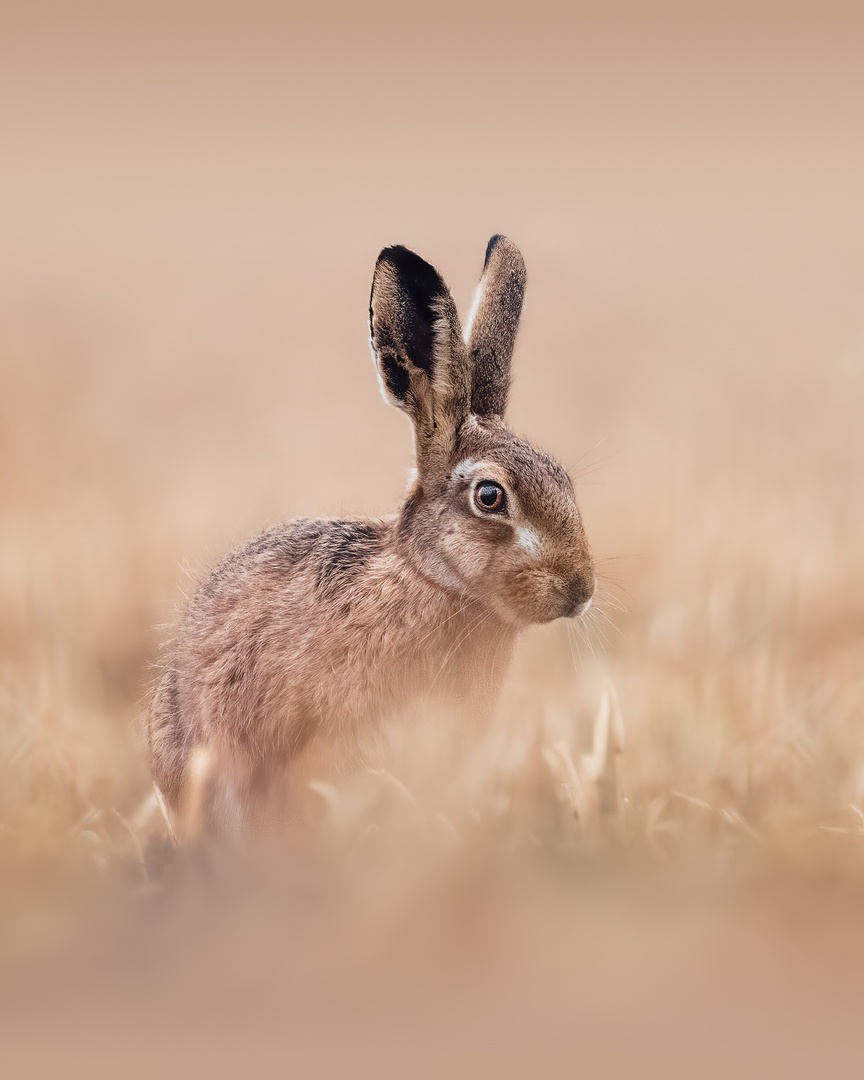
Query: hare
320	628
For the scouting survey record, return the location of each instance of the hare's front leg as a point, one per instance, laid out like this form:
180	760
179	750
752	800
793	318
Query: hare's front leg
228	797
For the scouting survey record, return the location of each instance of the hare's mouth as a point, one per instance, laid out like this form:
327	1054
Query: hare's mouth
578	608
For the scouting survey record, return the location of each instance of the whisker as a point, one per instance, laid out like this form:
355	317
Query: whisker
580	629
461	610
571	641
463	636
595	627
616	585
604	615
612	601
593	466
599	442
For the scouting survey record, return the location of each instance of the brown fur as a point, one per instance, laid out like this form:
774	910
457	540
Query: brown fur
319	629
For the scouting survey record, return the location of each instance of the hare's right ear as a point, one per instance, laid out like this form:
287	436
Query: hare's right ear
492	326
417	344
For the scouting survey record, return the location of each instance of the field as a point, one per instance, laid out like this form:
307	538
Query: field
655	859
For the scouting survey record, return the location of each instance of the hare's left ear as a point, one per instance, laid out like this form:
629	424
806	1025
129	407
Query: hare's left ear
492	326
418	347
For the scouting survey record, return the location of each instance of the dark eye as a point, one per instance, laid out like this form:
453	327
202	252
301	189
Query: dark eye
489	497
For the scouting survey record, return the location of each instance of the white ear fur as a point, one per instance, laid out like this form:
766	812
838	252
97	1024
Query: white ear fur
479	293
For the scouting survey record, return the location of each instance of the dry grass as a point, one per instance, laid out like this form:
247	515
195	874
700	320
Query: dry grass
662	839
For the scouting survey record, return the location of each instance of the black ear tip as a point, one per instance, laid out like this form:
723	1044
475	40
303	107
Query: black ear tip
490	247
396	255
505	252
418	275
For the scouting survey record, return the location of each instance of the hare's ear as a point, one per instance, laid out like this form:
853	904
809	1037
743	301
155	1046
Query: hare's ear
491	330
417	342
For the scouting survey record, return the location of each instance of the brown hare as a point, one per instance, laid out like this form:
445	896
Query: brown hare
320	628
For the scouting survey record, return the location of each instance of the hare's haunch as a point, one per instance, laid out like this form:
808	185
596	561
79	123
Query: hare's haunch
322	628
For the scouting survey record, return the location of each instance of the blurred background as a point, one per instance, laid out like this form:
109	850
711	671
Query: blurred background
657	860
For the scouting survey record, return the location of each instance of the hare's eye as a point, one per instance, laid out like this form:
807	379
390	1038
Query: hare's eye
489	497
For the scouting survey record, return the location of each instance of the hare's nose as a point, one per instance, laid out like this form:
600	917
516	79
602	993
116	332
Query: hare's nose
579	593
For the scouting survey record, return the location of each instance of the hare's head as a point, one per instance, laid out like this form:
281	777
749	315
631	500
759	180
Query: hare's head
489	515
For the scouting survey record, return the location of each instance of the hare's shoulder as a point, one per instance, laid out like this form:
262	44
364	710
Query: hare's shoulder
326	554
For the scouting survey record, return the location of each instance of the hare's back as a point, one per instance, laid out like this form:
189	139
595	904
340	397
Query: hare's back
297	566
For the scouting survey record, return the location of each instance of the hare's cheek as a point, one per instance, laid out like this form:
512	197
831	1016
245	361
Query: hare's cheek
468	545
459	549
